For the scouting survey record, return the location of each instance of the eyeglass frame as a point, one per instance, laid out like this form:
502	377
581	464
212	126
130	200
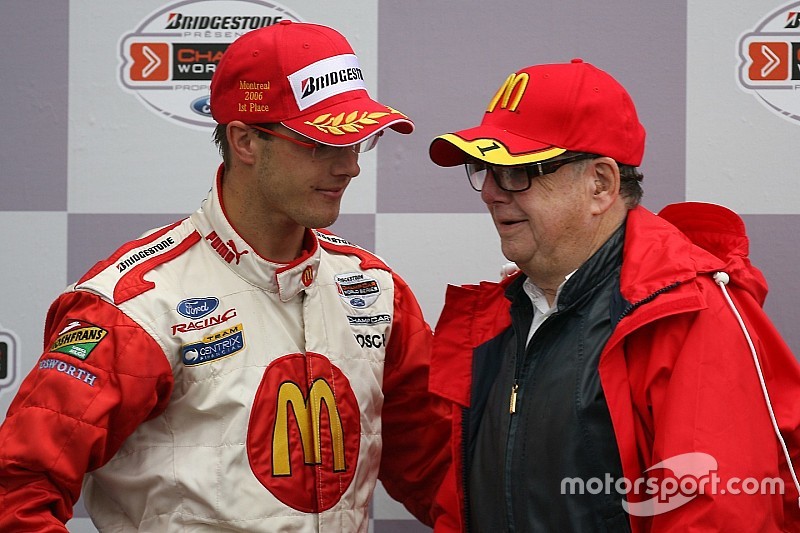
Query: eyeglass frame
532	170
313	145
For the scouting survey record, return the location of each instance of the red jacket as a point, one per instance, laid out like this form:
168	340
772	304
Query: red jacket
677	373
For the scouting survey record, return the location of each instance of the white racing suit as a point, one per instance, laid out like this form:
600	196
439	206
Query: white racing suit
205	388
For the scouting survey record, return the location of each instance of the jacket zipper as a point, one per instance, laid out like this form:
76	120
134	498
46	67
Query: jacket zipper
522	348
632	307
464	482
512	404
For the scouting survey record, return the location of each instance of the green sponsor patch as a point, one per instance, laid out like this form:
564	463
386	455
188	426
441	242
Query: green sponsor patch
78	339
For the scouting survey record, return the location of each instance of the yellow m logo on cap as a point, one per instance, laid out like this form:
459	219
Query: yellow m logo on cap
515	82
307	414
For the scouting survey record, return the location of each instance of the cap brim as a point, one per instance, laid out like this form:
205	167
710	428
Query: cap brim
350	122
493	145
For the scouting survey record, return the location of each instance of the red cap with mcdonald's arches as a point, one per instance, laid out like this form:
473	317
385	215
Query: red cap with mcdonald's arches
542	111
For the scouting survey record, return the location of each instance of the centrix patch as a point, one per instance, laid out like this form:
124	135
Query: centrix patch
214	346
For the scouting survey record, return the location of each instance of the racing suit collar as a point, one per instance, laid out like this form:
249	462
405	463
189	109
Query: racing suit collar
288	280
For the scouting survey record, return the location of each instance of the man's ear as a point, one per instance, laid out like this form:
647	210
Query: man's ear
606	182
241	140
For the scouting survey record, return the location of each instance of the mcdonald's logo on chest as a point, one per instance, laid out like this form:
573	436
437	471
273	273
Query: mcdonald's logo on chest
305	432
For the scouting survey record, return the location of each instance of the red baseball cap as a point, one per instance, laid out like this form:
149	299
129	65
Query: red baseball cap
304	76
541	112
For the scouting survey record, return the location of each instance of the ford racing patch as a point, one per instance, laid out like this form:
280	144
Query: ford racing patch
214	346
196	308
357	289
78	339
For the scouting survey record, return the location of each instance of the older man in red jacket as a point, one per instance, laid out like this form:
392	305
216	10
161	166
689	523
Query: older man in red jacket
626	378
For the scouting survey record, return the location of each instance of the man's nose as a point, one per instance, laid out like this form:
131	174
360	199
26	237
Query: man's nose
491	192
347	162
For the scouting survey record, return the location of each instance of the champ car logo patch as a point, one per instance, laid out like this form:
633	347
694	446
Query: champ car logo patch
214	346
357	289
78	339
369	320
168	57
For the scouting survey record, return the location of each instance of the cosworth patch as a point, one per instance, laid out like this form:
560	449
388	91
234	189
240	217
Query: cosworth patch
214	346
357	289
69	370
78	339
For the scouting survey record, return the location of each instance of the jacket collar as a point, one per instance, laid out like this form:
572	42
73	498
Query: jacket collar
216	232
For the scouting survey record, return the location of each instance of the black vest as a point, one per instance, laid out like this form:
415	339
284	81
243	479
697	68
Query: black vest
519	466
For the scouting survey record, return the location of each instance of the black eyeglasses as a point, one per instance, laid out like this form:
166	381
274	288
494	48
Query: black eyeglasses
321	151
516	178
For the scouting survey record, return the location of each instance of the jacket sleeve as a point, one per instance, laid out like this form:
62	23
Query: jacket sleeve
85	396
702	395
416	424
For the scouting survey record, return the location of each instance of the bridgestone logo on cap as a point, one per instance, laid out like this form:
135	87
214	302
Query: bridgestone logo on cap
326	78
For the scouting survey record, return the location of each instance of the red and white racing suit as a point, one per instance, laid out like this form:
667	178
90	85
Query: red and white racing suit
205	388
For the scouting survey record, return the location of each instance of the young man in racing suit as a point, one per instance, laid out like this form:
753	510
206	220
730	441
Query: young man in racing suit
609	385
237	370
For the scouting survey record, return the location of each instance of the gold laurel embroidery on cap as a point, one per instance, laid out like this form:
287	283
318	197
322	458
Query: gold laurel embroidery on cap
352	123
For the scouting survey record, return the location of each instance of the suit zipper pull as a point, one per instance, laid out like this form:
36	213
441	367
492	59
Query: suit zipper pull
512	407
